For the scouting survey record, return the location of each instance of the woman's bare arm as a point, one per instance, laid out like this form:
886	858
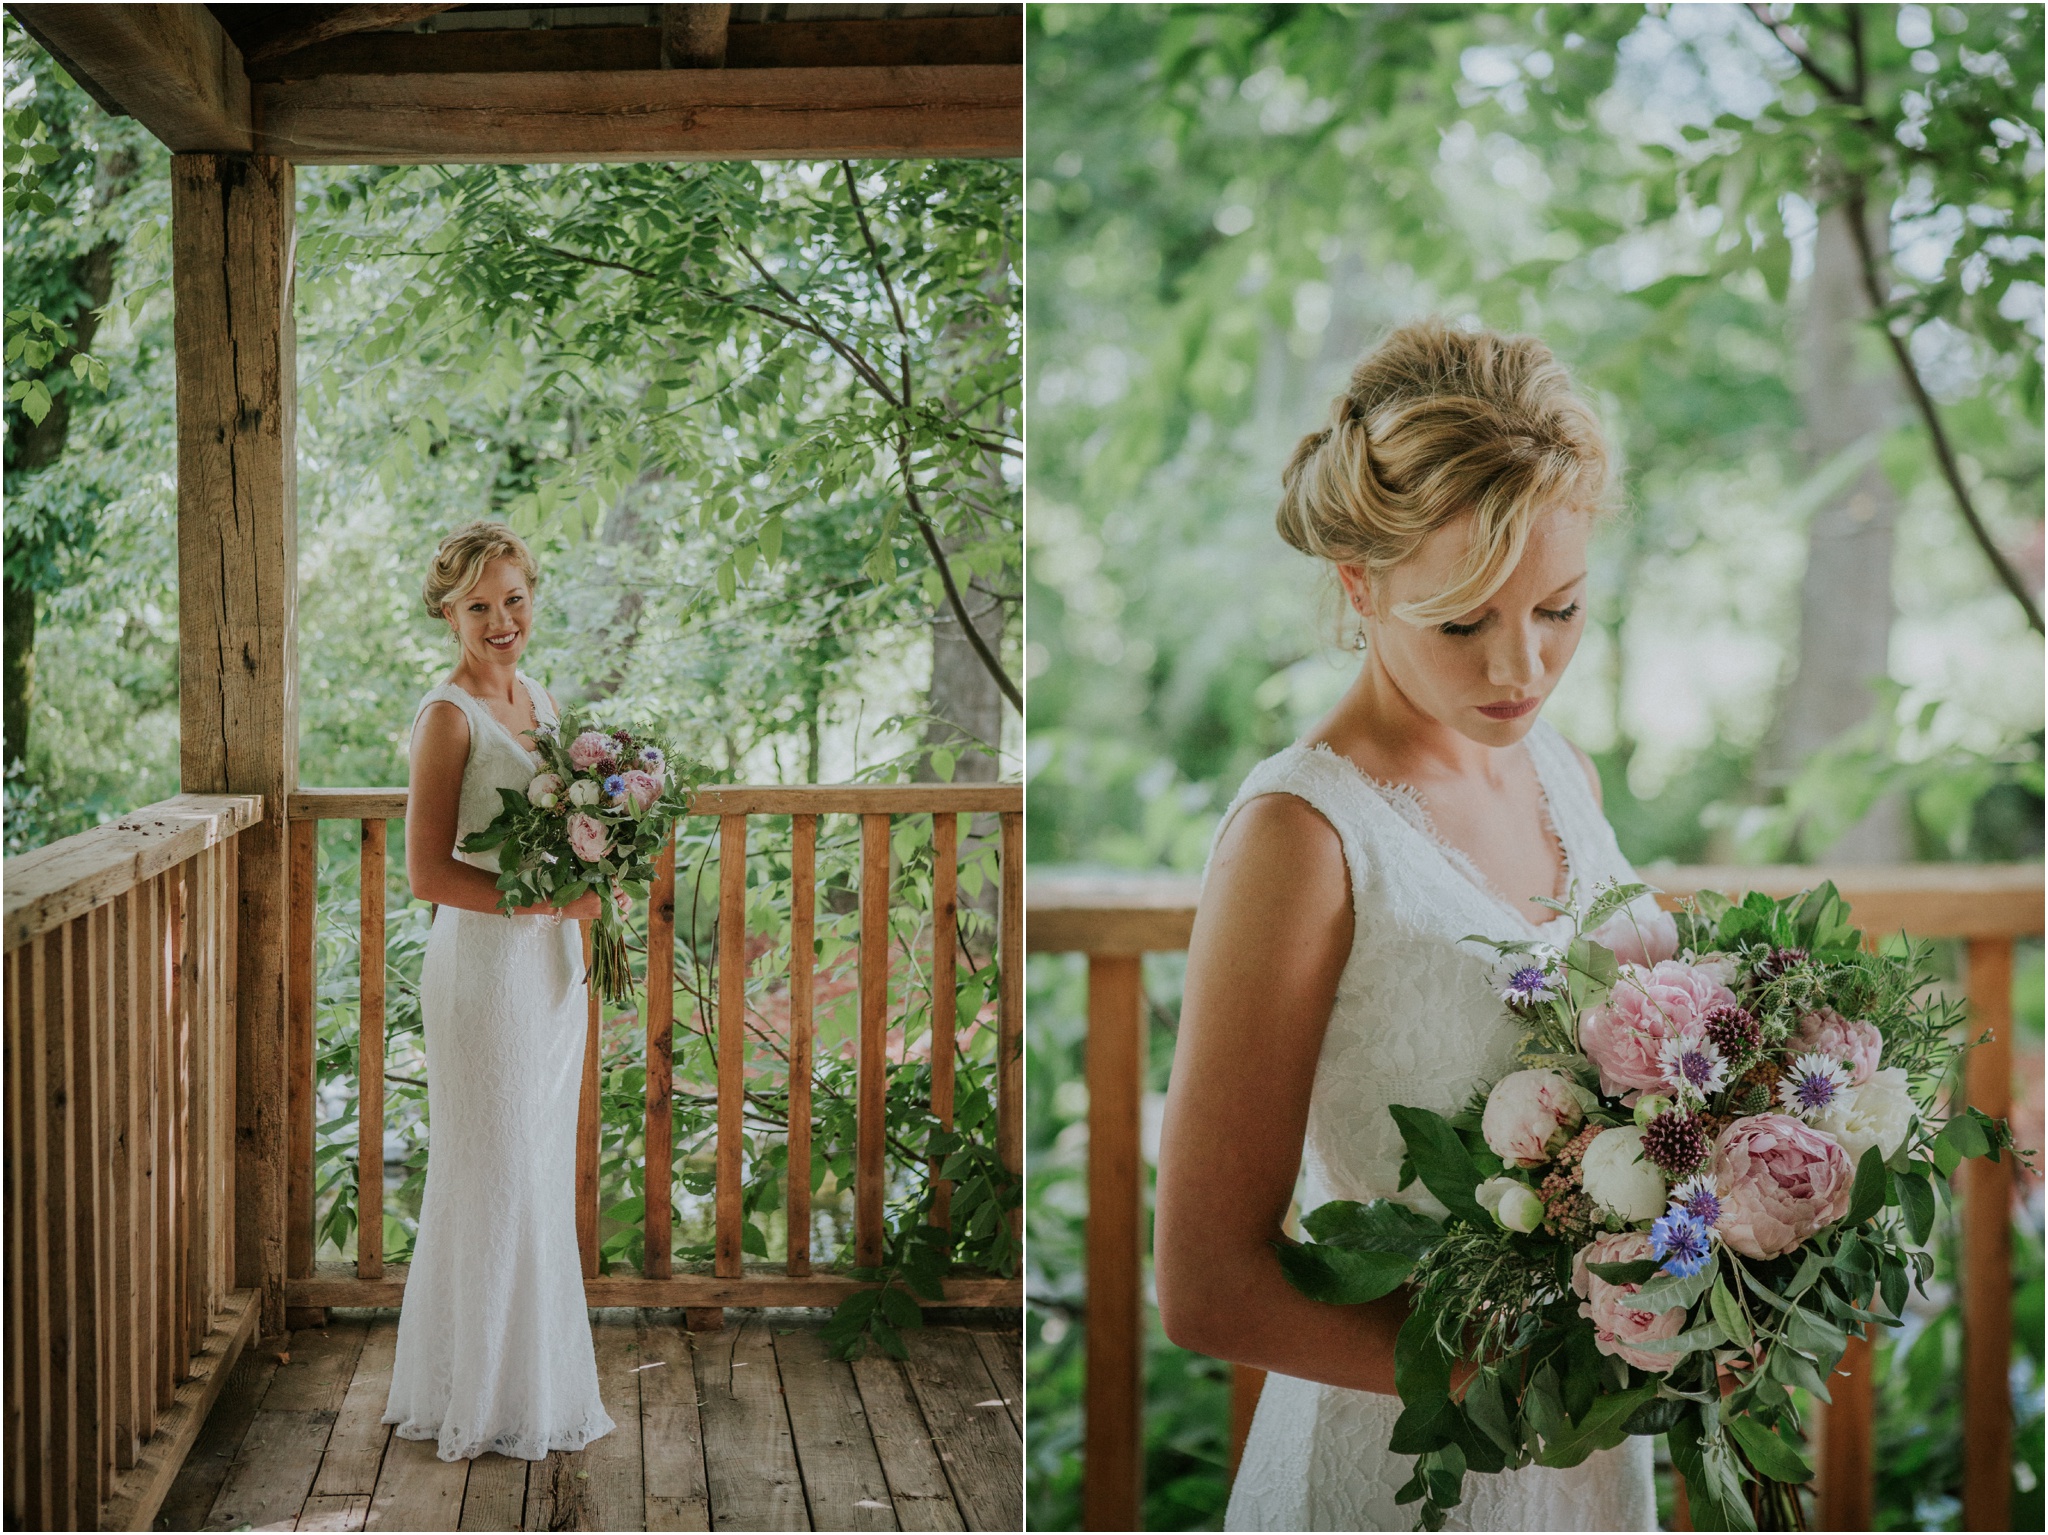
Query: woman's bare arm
440	751
1271	938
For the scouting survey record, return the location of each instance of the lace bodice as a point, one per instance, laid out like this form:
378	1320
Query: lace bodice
497	760
1417	1020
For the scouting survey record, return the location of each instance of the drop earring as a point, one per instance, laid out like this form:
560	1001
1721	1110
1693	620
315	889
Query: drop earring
1358	636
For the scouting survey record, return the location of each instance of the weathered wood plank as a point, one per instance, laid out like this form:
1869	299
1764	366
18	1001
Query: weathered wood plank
231	236
370	1060
170	67
130	1296
616	1490
659	1222
727	799
13	1440
872	1060
672	1439
918	1488
1010	1005
495	1496
344	1513
977	1443
272	1472
320	1364
167	962
803	976
824	43
95	1263
1112	1494
633	115
835	1449
945	991
749	1457
693	36
1001	1351
355	1450
328	22
182	1467
416	1489
727	1251
302	1107
758	1285
57	1155
28	1294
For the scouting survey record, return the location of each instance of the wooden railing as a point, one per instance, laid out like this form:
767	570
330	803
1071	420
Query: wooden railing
122	1316
730	1282
1116	920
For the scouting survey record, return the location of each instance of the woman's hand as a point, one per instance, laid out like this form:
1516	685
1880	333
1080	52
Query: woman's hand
585	908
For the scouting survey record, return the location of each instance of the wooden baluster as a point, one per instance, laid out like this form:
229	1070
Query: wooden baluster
945	991
1987	1251
872	1079
588	1109
1113	1476
148	1021
89	1171
56	1237
1010	1007
124	1163
1845	1483
803	971
198	996
302	856
370	1059
224	1058
732	1068
109	1140
12	1171
169	1191
183	896
659	1224
28	1243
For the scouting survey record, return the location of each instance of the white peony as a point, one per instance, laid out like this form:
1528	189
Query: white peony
542	791
583	792
1511	1202
1879	1113
1618	1177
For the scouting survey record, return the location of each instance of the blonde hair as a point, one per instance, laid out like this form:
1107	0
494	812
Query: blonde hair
464	555
1438	422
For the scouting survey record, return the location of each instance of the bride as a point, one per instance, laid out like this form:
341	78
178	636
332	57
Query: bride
1453	492
494	1350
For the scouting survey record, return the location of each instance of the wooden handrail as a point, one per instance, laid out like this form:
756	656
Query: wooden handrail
731	1282
1116	918
122	1317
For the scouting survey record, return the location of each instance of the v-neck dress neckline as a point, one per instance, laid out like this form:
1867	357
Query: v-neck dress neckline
532	707
1412	811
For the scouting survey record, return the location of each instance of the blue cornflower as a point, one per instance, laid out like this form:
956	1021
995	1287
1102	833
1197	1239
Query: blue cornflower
1527	986
1696	1197
616	784
1682	1242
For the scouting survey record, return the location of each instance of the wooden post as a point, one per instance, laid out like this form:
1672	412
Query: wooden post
237	404
730	1196
1010	1005
1845	1490
1987	1251
693	36
945	993
370	1058
657	1226
303	854
1112	1488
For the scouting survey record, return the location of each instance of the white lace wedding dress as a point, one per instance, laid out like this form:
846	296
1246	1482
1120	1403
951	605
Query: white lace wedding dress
1416	1021
494	1350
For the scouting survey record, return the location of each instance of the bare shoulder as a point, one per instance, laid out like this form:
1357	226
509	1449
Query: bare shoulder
1281	859
1592	773
440	735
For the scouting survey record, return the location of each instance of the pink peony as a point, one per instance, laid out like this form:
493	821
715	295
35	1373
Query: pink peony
1529	1114
1851	1041
1636	939
589	749
1616	1324
1644	1008
643	789
587	837
1779	1182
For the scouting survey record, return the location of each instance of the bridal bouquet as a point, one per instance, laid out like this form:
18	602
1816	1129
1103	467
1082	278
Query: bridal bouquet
594	818
1719	1158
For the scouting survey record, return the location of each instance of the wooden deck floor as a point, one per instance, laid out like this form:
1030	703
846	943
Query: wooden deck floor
749	1428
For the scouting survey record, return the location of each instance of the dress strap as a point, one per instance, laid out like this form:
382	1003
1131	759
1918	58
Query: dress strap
543	710
1328	785
445	693
1575	815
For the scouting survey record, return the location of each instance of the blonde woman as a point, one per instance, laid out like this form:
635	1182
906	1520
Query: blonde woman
494	1349
1453	493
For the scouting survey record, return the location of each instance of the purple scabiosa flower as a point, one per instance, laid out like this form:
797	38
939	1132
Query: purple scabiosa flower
651	755
1696	1197
1527	985
1693	1066
1813	1086
1681	1242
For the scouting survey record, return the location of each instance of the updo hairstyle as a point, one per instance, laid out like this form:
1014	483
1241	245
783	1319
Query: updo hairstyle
464	555
1438	422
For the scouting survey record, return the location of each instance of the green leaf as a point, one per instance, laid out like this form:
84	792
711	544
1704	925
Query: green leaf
1767	1452
1423	1426
1729	1314
1378	1225
35	402
1441	1161
1422	1366
1706	1335
1967	1136
1639	1271
1789	1367
1486	1406
1604	1426
1872	1183
1671	1290
1916	1200
1342	1276
1810	1334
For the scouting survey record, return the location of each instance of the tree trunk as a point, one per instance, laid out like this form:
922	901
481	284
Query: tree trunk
1847	394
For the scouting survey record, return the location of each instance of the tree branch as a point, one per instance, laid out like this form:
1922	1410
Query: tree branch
1944	455
859	363
945	570
882	271
1790	41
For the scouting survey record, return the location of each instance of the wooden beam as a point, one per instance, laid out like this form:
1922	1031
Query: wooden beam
335	1284
642	115
231	237
693	36
865	42
1113	1459
324	23
170	67
718	799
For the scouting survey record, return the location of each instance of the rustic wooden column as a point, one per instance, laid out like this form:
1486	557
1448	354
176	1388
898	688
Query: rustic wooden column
231	227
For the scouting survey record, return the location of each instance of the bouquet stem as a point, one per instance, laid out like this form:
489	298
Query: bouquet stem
611	967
